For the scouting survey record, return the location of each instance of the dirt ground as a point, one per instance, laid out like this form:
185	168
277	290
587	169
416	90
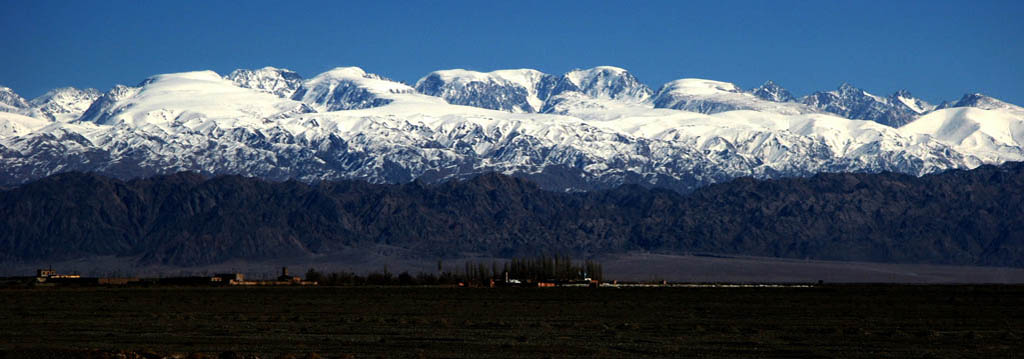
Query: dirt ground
833	321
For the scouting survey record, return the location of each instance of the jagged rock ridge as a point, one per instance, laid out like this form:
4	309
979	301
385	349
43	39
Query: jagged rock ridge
958	217
897	110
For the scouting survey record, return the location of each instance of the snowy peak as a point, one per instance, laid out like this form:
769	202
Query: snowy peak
708	96
280	82
189	78
528	90
917	105
65	96
522	77
848	90
11	101
63	105
984	102
120	92
609	82
854	103
528	78
589	108
699	87
993	135
343	73
102	107
518	91
770	91
349	88
188	99
593	132
980	101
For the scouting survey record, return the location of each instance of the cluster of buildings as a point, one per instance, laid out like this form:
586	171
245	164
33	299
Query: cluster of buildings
50	277
235	279
512	282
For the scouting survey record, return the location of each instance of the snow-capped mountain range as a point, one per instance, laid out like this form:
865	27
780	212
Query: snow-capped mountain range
585	129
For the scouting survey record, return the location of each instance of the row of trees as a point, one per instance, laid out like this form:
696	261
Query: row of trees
558	268
384	277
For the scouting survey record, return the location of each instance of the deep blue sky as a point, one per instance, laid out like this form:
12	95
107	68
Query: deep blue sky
936	49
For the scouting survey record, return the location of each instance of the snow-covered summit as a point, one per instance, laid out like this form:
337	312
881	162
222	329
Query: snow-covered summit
592	132
986	127
770	91
693	86
915	104
280	82
518	90
709	96
984	102
10	101
854	103
521	77
993	135
188	77
578	104
64	104
347	88
373	82
528	90
609	82
187	98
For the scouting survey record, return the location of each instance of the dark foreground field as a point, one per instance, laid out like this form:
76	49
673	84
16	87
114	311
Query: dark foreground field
399	322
